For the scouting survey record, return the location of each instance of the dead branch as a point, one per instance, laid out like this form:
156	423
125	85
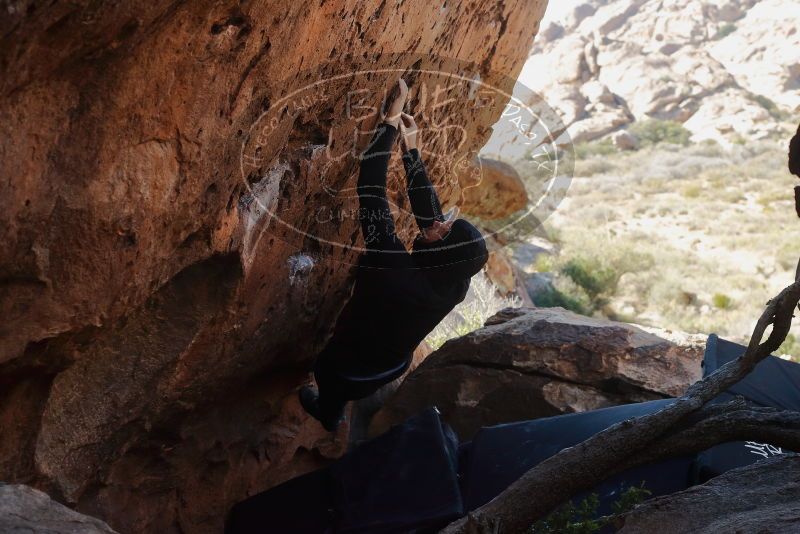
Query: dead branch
733	421
583	466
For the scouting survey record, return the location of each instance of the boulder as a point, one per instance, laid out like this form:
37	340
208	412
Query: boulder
624	140
169	205
501	271
24	510
603	120
761	497
535	362
496	193
729	115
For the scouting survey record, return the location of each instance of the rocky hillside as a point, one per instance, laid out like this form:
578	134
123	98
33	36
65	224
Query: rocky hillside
726	69
158	315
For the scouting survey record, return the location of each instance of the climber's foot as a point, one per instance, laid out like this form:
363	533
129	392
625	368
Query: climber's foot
309	400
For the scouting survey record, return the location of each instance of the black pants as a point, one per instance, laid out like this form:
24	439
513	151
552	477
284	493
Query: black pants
343	375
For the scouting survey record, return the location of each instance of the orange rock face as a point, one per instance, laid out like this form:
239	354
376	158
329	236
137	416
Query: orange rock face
165	274
499	193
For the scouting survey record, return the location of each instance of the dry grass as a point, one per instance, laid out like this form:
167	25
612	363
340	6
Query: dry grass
482	301
694	238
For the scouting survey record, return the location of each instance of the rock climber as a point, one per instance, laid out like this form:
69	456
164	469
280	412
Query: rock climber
794	168
398	297
794	153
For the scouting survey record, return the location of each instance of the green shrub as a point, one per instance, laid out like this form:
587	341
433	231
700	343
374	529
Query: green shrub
629	498
587	271
771	107
709	148
544	263
603	147
582	519
655	131
571	519
591	275
691	191
556	298
738	139
593	157
553	234
725	30
722	301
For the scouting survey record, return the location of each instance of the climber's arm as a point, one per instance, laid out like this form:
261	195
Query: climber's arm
421	193
377	223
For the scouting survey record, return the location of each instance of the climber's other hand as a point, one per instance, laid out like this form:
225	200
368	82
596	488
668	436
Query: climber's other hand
408	132
436	232
395	101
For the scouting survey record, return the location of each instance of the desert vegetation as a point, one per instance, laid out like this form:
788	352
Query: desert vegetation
688	236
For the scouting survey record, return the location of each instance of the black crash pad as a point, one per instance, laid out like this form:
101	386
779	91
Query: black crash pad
774	382
303	505
402	481
406	478
499	455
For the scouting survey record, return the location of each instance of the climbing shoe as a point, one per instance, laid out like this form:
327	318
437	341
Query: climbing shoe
309	400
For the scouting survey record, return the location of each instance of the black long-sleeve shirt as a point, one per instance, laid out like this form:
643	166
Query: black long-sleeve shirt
395	304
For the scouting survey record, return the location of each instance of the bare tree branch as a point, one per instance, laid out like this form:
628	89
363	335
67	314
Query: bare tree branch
733	421
583	466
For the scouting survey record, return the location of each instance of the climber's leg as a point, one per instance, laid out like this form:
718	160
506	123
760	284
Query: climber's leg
310	400
328	403
344	374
